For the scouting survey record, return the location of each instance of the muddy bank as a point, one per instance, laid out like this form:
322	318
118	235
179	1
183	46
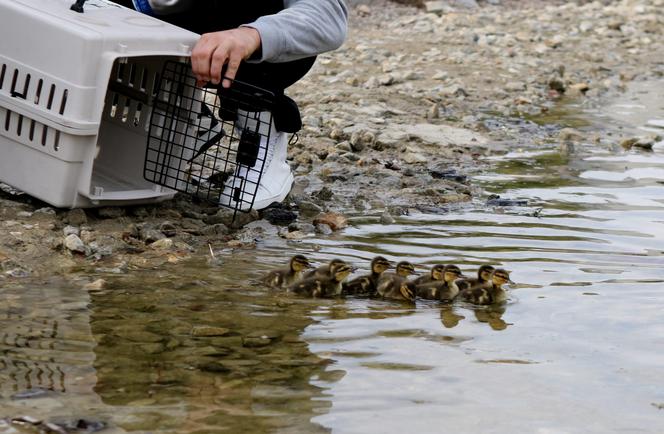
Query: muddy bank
394	121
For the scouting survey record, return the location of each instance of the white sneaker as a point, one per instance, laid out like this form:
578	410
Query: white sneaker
277	179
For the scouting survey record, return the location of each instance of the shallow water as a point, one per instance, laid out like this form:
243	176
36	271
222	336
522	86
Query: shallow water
578	348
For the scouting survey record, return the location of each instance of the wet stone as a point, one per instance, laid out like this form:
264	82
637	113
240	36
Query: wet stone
152	235
323	229
168	229
334	221
309	209
324	194
206	331
256	342
163	244
279	216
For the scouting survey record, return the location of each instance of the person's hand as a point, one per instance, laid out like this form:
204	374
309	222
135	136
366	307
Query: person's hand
214	50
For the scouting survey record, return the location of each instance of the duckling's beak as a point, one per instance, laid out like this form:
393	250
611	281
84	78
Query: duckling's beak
309	265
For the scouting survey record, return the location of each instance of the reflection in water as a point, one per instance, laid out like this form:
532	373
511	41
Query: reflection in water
490	315
200	355
152	352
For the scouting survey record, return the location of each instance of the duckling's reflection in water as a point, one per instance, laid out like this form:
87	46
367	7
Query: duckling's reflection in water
194	356
491	315
449	317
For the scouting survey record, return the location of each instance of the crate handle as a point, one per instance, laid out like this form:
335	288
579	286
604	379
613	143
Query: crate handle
78	6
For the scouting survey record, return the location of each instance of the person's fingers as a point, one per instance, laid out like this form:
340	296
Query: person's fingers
200	59
234	61
219	58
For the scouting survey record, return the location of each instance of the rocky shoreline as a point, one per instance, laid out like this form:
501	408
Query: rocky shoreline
396	120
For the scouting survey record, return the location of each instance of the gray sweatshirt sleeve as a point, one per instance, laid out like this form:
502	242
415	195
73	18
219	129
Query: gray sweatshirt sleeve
304	28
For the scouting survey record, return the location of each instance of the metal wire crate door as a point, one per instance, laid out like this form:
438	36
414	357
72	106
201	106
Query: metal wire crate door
207	142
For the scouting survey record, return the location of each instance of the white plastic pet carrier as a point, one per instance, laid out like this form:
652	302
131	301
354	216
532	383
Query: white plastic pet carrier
75	99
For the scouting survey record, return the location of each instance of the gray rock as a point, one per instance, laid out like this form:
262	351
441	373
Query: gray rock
162	244
305	228
69	230
309	209
74	244
168	229
386	218
152	235
45	211
216	229
323	229
344	146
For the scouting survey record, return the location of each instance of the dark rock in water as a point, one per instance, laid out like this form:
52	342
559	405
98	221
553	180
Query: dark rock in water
324	194
451	175
323	229
426	209
214	366
279	216
495	200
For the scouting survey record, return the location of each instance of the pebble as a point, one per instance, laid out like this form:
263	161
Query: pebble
71	230
386	218
207	331
333	220
308	209
162	244
97	285
151	235
323	229
74	244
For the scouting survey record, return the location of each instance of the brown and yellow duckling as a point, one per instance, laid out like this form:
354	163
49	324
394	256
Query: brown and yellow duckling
483	279
327	286
437	274
490	293
396	285
325	270
442	290
367	284
287	276
398	288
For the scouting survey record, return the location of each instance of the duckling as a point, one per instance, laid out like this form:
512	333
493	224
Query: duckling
285	277
443	290
437	272
327	286
393	282
483	279
325	270
366	285
398	288
490	293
